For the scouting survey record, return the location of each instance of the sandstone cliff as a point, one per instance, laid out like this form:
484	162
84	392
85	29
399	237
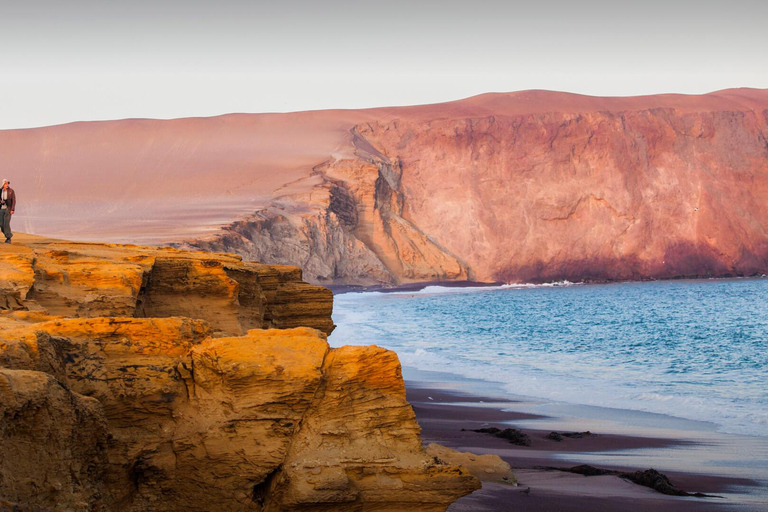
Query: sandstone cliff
91	280
113	399
529	186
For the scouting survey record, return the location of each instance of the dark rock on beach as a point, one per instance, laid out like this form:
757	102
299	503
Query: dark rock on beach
650	478
558	436
513	435
658	482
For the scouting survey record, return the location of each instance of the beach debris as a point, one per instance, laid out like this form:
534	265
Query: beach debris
512	435
558	436
651	478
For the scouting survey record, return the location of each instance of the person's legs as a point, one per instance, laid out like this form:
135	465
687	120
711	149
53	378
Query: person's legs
5	223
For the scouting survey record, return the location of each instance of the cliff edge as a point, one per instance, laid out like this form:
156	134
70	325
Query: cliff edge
139	379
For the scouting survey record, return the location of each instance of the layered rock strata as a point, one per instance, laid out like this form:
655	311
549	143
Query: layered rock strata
171	413
91	280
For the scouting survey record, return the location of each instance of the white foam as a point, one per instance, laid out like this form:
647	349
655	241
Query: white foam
560	387
729	417
437	290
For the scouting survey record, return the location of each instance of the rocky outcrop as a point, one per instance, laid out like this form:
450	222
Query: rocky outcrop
91	280
529	186
349	230
342	456
53	443
486	467
171	413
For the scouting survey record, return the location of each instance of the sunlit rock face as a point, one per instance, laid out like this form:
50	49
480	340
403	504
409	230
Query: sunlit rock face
528	186
141	379
634	194
91	280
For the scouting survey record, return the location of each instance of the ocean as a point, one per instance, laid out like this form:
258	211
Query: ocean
690	349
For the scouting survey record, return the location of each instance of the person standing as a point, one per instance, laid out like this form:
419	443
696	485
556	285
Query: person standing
7	208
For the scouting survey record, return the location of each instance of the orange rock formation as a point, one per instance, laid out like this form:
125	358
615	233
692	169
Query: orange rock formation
529	186
91	280
110	399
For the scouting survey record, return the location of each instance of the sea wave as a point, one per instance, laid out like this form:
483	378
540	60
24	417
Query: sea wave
727	416
693	349
440	289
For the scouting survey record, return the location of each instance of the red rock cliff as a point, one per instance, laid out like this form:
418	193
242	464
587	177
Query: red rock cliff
530	186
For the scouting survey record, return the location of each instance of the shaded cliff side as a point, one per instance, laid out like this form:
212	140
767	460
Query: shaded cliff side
528	186
113	398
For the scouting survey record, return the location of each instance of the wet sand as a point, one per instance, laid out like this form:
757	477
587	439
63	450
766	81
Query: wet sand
443	413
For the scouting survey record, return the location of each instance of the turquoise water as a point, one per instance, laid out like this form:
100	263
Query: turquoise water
691	349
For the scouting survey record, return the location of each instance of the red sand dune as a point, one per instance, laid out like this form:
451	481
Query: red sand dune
532	185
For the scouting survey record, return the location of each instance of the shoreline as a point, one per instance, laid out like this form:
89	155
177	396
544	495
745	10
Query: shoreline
421	285
551	364
445	404
408	287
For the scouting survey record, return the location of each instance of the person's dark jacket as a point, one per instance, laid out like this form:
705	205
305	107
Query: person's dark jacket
11	201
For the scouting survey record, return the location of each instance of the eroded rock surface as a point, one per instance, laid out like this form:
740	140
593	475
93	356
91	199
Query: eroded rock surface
343	457
169	413
90	280
53	443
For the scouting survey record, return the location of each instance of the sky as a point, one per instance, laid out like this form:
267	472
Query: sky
83	60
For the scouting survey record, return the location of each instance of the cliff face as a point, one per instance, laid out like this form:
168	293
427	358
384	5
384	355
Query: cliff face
656	189
530	186
600	195
133	413
92	280
53	448
350	228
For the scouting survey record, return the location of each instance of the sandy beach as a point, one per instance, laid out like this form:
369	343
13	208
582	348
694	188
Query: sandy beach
448	410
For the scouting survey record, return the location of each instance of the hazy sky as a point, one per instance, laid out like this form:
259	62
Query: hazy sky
63	61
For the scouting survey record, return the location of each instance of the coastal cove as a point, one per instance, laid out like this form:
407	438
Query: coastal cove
678	365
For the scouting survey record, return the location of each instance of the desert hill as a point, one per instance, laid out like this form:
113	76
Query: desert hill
527	186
